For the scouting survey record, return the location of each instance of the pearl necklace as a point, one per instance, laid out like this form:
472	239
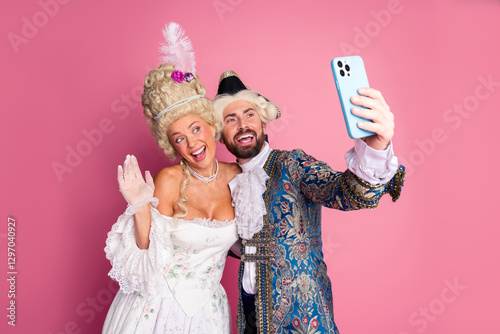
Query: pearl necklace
202	178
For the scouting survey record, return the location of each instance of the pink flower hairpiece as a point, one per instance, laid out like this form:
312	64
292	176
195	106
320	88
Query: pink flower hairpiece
177	49
178	76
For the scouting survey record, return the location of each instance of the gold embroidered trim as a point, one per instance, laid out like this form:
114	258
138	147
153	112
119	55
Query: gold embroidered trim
354	194
258	258
228	74
398	181
363	182
356	189
264	278
267	242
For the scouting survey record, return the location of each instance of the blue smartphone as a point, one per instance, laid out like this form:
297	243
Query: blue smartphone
350	75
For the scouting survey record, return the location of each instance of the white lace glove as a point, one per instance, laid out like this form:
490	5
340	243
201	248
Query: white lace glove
132	184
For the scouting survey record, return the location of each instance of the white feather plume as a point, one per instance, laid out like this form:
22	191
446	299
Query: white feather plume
177	48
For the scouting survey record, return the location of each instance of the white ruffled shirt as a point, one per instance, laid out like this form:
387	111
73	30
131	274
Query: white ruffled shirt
246	190
372	166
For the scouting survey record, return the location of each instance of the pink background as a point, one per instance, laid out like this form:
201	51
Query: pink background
70	69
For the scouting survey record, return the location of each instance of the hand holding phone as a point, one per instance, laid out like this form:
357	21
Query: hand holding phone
370	110
350	75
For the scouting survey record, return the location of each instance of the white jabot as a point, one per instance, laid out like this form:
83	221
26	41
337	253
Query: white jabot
247	189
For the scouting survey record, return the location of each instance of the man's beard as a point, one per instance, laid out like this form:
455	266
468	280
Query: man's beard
246	152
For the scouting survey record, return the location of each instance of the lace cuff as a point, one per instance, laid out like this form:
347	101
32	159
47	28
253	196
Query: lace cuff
137	269
372	166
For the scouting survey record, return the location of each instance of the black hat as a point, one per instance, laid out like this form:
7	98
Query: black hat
230	83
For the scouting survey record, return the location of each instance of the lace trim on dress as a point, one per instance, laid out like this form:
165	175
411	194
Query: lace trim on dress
212	223
133	268
207	222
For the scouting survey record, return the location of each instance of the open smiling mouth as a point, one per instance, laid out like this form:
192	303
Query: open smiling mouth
245	139
199	153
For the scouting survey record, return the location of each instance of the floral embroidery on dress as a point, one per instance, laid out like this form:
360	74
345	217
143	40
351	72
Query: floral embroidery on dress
147	310
187	261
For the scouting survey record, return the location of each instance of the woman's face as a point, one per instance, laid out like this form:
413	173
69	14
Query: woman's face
193	139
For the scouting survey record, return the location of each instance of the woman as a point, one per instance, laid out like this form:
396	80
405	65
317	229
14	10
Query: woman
169	247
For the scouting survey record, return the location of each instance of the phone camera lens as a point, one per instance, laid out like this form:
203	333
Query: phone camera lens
339	64
342	73
347	68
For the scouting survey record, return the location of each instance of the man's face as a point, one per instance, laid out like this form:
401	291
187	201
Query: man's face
243	131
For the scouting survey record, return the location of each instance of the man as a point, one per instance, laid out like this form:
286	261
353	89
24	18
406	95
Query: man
283	280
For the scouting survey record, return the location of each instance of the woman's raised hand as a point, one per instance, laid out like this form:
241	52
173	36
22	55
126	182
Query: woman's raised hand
132	184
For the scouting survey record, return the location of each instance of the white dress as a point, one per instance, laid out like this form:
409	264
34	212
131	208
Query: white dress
174	285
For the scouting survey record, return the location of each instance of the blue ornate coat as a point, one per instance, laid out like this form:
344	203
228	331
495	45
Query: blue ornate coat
293	290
